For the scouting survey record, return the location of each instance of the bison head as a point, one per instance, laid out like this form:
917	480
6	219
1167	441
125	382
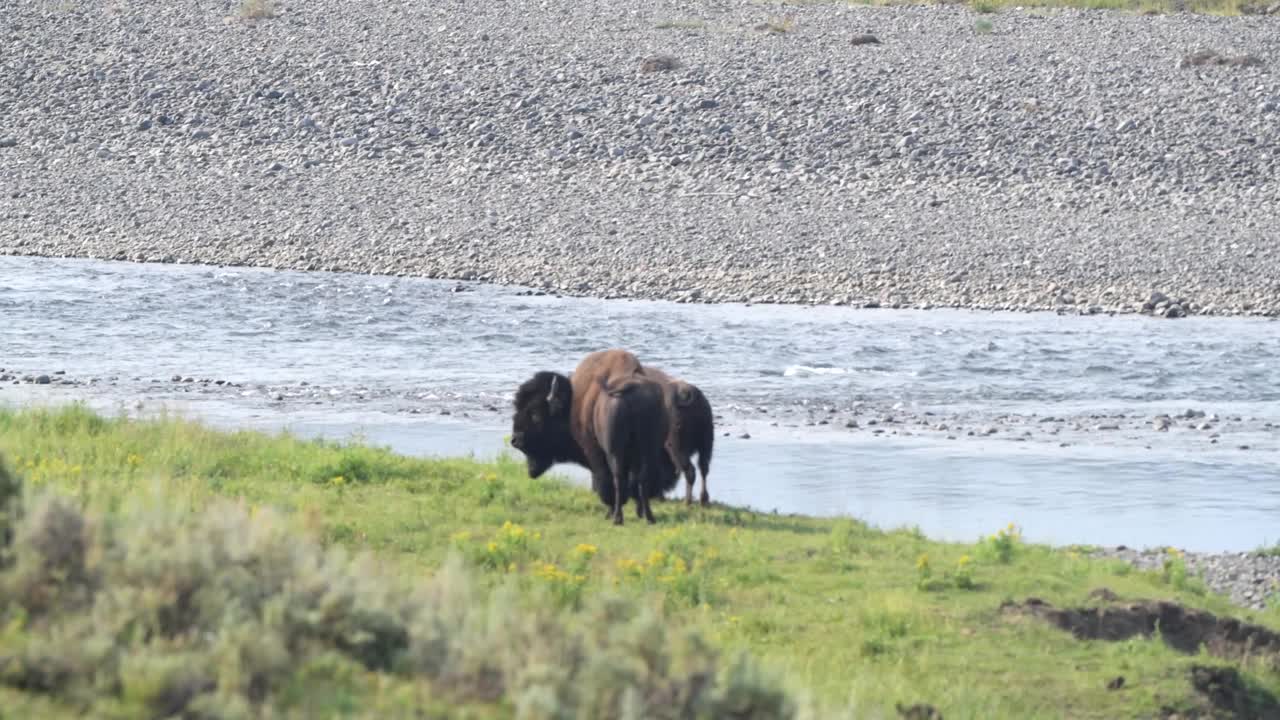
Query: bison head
540	425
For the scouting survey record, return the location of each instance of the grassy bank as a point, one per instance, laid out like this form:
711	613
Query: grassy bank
831	611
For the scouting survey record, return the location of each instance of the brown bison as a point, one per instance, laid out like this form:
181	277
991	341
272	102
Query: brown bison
692	430
592	420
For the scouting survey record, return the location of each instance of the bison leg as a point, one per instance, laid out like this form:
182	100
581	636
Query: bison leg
642	486
690	478
704	463
617	490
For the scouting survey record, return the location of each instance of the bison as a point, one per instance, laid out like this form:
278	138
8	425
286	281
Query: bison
692	430
631	422
561	419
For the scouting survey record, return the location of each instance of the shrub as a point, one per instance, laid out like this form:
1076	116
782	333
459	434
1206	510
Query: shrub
1004	544
232	613
10	495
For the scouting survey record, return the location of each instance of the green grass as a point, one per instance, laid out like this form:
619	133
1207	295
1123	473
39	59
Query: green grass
1269	550
836	611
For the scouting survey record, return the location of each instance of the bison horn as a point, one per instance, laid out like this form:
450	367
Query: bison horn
553	403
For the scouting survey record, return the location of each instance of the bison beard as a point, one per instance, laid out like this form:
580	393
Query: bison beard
554	422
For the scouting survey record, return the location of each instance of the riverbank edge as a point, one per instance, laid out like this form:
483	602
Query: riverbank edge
1249	579
1162	307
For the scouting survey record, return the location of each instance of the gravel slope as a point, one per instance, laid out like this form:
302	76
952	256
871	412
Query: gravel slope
1063	159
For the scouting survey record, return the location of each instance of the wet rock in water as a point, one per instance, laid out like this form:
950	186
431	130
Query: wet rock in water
42	380
745	436
1162	423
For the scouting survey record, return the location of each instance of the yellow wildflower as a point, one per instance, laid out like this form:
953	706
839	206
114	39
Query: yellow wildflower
964	560
493	546
656	557
585	549
922	562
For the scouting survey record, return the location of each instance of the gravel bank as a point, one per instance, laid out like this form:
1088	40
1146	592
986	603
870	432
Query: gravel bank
1249	579
1051	160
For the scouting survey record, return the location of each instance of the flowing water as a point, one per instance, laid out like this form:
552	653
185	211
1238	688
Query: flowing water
955	421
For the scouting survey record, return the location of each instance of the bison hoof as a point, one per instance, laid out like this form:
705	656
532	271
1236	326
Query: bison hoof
706	499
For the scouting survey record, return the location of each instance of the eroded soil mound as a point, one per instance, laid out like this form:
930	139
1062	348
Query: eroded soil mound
1182	628
1226	694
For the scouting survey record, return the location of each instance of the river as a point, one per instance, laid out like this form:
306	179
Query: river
956	422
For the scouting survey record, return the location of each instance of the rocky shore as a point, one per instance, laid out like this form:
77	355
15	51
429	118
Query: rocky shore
1250	579
707	151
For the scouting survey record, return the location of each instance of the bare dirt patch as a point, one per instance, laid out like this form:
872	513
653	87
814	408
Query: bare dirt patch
1225	694
1181	628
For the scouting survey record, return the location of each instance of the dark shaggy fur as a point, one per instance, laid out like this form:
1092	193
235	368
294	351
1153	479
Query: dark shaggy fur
692	431
630	422
555	421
